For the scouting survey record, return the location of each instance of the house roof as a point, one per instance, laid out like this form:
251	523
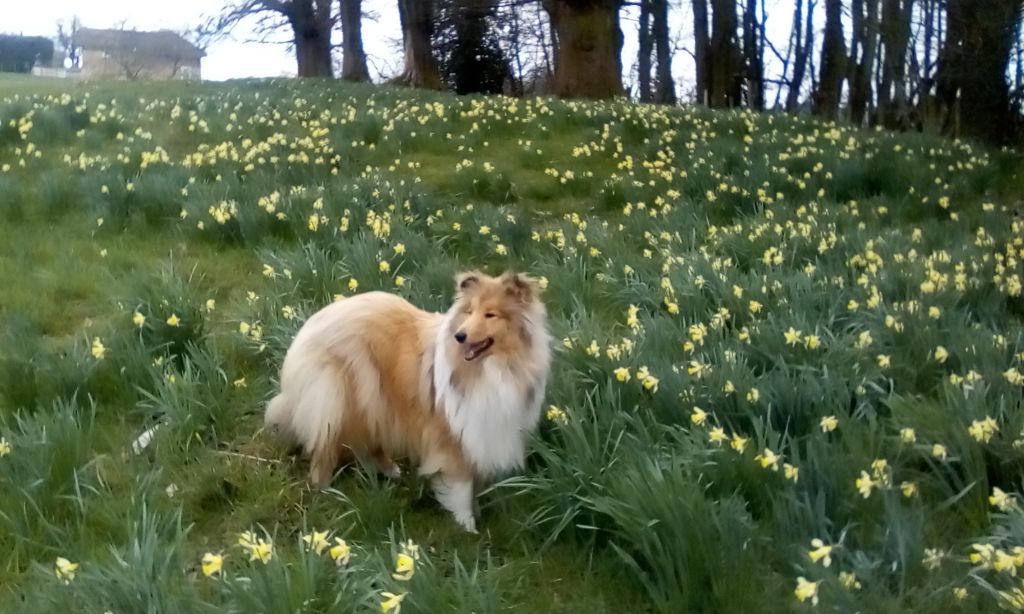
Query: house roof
163	43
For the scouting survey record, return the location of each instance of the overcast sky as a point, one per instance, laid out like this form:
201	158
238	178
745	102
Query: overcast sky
240	56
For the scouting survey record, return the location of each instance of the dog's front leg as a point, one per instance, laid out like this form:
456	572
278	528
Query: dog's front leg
455	494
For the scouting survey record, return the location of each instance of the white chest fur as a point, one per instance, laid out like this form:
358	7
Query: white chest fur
493	413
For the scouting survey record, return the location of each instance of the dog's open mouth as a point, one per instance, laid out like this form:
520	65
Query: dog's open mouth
474	350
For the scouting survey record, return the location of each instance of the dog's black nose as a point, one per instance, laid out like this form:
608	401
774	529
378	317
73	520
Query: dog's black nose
460	337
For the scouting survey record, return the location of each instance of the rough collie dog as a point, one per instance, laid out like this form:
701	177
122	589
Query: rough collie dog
458	393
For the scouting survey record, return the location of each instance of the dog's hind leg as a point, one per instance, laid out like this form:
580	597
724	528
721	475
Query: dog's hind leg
323	462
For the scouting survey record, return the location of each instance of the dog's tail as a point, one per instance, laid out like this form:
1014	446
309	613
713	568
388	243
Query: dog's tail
277	417
306	416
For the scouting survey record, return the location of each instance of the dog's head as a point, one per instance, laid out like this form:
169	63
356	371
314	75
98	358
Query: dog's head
492	315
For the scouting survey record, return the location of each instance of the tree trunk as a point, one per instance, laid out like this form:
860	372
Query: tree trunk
833	58
901	97
701	50
417	18
858	32
665	85
892	98
804	46
972	83
646	47
753	62
588	63
353	62
725	78
311	28
860	80
929	37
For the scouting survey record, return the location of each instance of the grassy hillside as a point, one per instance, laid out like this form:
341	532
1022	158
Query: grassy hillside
788	370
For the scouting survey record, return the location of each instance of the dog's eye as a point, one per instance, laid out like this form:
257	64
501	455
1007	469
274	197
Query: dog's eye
490	315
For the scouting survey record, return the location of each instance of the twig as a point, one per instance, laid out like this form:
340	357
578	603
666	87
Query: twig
248	456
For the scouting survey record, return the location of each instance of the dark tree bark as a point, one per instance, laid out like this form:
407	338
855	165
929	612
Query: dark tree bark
701	50
645	41
892	95
858	30
588	61
353	60
725	75
833	60
930	12
801	57
665	85
417	17
862	63
311	22
753	63
972	83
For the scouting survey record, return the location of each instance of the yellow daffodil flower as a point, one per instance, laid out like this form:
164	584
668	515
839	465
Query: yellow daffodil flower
212	564
317	541
820	552
98	349
1001	500
65	569
392	603
405	567
806	590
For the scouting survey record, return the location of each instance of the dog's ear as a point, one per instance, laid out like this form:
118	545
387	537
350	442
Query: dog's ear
520	287
465	281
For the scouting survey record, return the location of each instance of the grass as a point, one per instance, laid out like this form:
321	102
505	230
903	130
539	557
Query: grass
781	344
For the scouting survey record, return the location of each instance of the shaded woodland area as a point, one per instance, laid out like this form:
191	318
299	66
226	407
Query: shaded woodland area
955	66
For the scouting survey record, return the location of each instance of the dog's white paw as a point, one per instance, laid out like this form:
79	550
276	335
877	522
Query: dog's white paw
468	523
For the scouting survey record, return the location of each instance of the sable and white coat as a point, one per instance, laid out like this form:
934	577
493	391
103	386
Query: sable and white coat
459	393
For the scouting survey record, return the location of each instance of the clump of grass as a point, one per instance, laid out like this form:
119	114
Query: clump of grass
199	403
136	576
683	547
168	311
48	478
